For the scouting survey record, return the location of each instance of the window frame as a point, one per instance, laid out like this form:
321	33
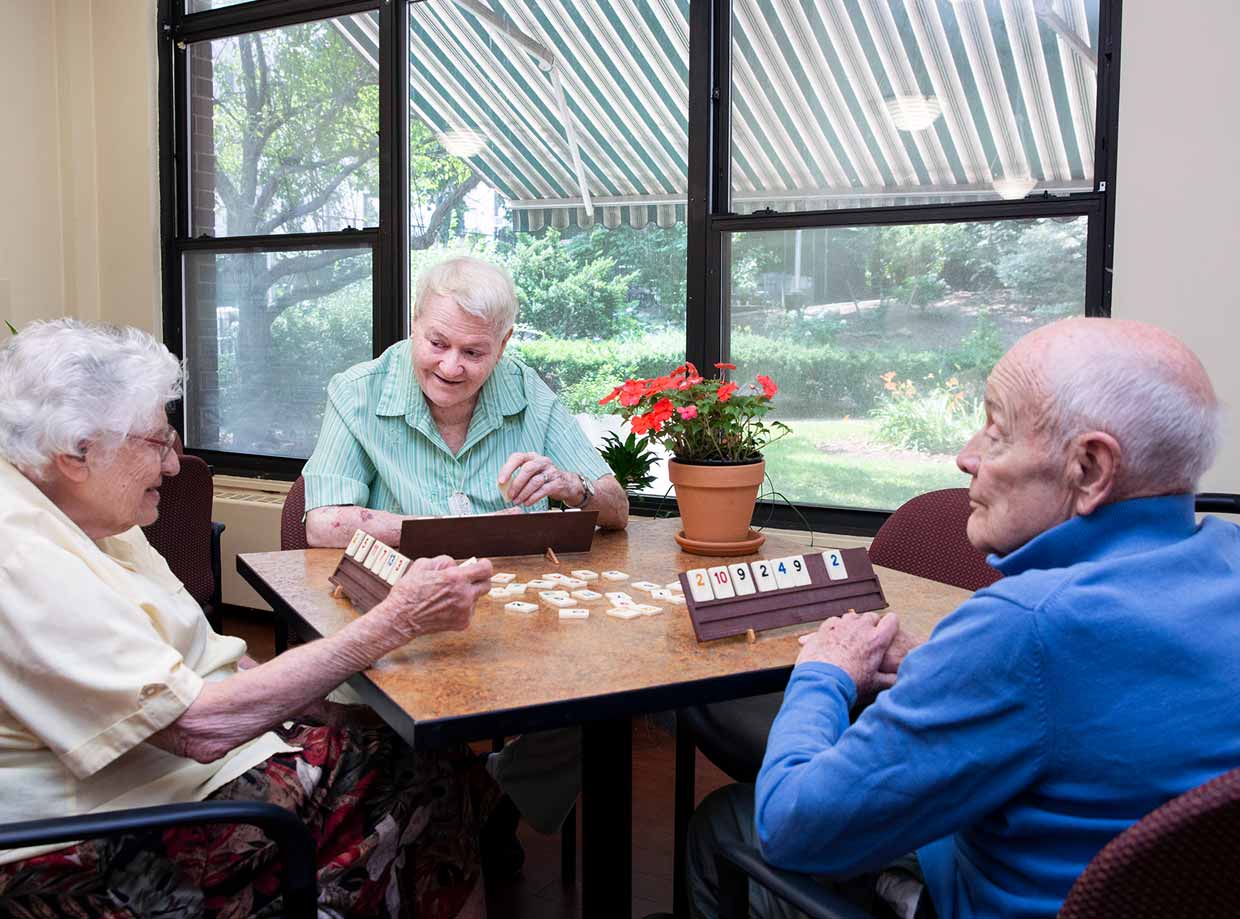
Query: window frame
387	241
708	217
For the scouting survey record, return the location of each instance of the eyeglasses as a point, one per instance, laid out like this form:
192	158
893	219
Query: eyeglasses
165	443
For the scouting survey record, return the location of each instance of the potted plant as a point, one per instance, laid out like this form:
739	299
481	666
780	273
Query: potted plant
630	460
715	431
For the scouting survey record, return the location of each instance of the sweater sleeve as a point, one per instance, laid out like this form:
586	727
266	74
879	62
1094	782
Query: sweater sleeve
963	730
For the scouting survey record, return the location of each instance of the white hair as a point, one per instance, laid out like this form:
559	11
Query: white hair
64	383
1168	434
477	286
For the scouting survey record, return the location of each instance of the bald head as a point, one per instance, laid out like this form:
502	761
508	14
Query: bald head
1131	380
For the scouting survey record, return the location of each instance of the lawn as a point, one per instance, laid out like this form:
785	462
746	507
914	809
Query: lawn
838	463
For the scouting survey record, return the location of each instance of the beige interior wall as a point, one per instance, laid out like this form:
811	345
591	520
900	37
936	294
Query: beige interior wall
79	230
31	247
1177	235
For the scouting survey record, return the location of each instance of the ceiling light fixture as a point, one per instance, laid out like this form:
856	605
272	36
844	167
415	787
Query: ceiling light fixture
463	143
913	113
1013	188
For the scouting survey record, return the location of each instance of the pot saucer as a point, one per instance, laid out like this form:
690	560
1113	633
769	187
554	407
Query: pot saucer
722	549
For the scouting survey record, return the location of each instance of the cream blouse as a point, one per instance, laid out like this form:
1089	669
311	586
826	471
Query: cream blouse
100	647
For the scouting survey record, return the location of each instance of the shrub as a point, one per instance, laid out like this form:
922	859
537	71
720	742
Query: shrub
940	419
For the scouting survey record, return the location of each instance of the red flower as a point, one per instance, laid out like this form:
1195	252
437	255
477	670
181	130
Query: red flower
611	395
724	392
640	424
768	386
688	412
661	412
725	366
632	392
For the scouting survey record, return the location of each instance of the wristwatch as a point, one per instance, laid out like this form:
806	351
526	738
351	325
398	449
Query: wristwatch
587	489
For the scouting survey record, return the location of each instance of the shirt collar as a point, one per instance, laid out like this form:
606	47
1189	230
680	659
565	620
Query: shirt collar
1122	528
502	394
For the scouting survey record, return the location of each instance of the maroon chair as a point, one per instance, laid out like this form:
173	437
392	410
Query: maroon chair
926	536
292	526
1182	859
187	538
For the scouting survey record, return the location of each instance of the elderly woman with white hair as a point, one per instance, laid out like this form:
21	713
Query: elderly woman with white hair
436	425
449	423
116	693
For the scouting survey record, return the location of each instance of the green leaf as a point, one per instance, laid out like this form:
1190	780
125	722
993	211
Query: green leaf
10	325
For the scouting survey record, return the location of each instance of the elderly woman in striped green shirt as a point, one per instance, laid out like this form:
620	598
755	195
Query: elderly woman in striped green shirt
447	424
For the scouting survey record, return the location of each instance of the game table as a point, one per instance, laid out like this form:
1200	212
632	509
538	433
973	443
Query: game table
510	673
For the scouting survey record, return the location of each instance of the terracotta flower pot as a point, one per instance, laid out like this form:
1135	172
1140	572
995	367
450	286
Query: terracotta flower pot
716	501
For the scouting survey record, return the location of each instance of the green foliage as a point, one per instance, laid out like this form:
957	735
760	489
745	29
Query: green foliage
818	380
940	419
10	325
982	347
566	296
653	256
630	460
1047	266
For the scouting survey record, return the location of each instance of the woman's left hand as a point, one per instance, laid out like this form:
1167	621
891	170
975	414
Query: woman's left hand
530	477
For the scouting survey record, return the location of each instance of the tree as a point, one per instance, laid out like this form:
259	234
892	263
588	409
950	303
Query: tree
294	119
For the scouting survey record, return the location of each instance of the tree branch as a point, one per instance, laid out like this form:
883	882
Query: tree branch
442	210
309	207
303	264
322	288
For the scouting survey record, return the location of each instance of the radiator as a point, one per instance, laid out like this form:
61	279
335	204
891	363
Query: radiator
250	511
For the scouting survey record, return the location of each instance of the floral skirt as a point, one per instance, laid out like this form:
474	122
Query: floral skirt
396	835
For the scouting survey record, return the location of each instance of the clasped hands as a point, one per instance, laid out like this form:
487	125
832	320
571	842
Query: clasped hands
866	647
527	478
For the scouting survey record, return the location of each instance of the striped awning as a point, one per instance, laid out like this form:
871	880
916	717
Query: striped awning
576	111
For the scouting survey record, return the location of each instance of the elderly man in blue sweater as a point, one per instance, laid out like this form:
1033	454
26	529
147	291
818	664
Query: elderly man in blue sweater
1094	682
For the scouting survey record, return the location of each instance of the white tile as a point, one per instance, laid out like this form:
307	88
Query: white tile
542	584
574	613
699	585
661	594
764	574
615	576
499	593
721	582
585	574
785	577
516	588
619	598
647	609
625	612
589	596
401	566
647	586
800	573
573	583
358	536
363	548
517	606
834	560
503	578
742	579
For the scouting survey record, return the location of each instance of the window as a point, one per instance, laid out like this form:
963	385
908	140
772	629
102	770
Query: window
896	192
868	201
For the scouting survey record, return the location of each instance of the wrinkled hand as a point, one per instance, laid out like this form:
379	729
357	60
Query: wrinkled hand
900	646
530	477
857	644
437	595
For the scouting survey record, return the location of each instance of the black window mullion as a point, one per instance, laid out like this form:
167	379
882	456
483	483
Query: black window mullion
234	20
1106	133
173	135
700	240
390	310
282	242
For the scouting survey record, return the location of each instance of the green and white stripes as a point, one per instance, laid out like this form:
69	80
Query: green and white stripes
814	85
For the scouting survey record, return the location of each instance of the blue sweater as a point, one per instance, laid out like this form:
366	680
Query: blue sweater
1098	679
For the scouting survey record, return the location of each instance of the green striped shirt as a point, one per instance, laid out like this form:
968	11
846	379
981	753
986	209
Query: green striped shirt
379	447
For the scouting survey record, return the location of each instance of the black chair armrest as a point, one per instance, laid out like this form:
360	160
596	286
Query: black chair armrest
738	864
1214	502
217	529
299	881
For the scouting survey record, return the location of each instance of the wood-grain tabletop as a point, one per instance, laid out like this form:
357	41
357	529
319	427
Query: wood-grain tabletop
513	672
